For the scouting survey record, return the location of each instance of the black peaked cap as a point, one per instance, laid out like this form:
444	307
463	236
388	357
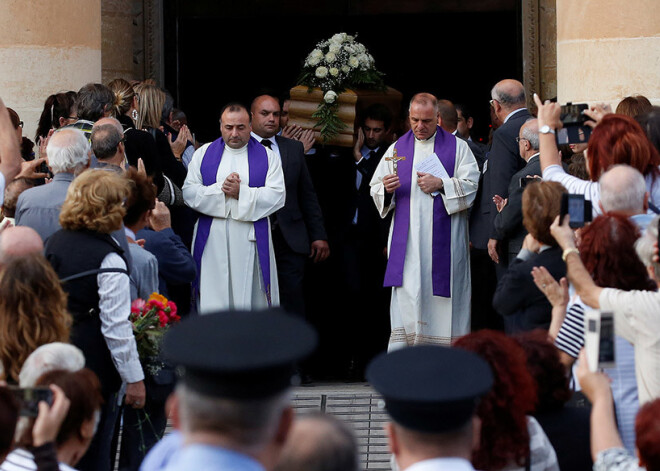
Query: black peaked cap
239	354
430	389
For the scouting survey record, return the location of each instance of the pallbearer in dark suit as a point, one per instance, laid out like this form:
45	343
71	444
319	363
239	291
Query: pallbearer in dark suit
363	243
298	230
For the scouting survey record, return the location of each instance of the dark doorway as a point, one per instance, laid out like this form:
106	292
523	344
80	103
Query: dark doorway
221	51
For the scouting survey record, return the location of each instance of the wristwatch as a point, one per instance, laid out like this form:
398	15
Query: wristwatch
545	129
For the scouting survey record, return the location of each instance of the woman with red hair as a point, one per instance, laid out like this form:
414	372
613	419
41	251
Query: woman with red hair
567	427
510	438
616	139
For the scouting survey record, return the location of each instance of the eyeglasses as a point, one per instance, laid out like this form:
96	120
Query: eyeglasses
493	101
518	139
20	124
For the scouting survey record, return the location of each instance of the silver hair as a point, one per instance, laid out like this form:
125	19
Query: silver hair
49	357
46	358
68	150
250	423
531	133
644	246
507	100
623	191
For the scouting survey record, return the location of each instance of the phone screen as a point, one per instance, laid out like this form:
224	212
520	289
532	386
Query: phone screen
576	209
29	398
606	340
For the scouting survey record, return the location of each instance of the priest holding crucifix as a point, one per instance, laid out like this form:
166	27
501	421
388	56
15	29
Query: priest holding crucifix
430	189
235	183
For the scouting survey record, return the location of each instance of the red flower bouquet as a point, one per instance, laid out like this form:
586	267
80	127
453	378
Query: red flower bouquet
151	319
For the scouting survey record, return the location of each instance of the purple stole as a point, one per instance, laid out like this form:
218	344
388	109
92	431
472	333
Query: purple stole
258	163
445	149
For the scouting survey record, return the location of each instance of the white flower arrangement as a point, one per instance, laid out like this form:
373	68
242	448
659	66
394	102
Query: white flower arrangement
333	66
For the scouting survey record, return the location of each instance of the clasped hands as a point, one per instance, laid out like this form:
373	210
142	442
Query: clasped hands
426	182
232	185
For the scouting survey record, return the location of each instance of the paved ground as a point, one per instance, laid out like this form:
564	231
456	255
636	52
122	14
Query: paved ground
355	404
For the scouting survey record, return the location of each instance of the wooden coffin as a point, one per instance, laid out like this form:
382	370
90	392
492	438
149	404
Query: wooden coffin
351	104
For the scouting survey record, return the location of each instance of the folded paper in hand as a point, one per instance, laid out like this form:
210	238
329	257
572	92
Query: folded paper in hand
433	165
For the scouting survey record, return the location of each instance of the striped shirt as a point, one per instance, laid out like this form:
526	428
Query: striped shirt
570	339
22	460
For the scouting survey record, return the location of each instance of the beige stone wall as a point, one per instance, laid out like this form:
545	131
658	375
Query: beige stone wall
608	49
117	29
47	46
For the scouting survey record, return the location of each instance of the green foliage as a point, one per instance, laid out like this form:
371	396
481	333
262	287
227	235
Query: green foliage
327	121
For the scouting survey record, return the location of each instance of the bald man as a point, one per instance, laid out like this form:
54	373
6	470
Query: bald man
298	228
502	162
623	192
319	443
108	146
509	105
509	229
19	241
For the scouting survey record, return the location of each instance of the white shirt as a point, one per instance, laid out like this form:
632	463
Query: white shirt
442	464
273	143
115	306
512	113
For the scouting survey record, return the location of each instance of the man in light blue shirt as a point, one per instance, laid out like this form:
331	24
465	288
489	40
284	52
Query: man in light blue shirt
233	400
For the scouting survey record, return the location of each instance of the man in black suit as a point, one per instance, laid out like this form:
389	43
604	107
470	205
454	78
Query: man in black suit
509	229
298	230
508	102
363	242
448	120
464	129
502	162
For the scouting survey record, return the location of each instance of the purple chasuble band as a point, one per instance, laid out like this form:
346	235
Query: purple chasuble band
445	148
258	164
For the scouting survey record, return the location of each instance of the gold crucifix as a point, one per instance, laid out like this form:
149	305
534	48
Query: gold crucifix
395	160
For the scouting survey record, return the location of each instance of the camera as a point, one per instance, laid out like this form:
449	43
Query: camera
578	209
573	119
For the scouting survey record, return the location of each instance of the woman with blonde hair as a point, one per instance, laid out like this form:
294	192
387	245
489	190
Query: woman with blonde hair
32	311
93	269
149	112
139	144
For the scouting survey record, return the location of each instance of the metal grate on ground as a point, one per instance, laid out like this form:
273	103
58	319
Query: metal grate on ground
359	407
361	411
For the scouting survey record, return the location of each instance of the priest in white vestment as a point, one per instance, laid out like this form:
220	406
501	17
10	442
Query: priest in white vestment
230	267
418	314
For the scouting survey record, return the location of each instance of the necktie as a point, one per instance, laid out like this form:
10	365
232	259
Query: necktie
266	143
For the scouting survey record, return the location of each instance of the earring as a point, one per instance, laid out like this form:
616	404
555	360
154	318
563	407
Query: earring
134	115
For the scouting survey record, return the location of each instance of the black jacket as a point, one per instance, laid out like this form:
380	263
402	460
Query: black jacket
502	162
508	224
300	220
517	298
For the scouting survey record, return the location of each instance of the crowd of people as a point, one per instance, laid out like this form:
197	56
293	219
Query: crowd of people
439	267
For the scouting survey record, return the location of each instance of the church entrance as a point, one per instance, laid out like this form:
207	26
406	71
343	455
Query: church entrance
215	52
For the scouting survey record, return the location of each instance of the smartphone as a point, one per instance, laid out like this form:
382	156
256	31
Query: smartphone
29	399
574	130
578	208
599	339
524	181
606	342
